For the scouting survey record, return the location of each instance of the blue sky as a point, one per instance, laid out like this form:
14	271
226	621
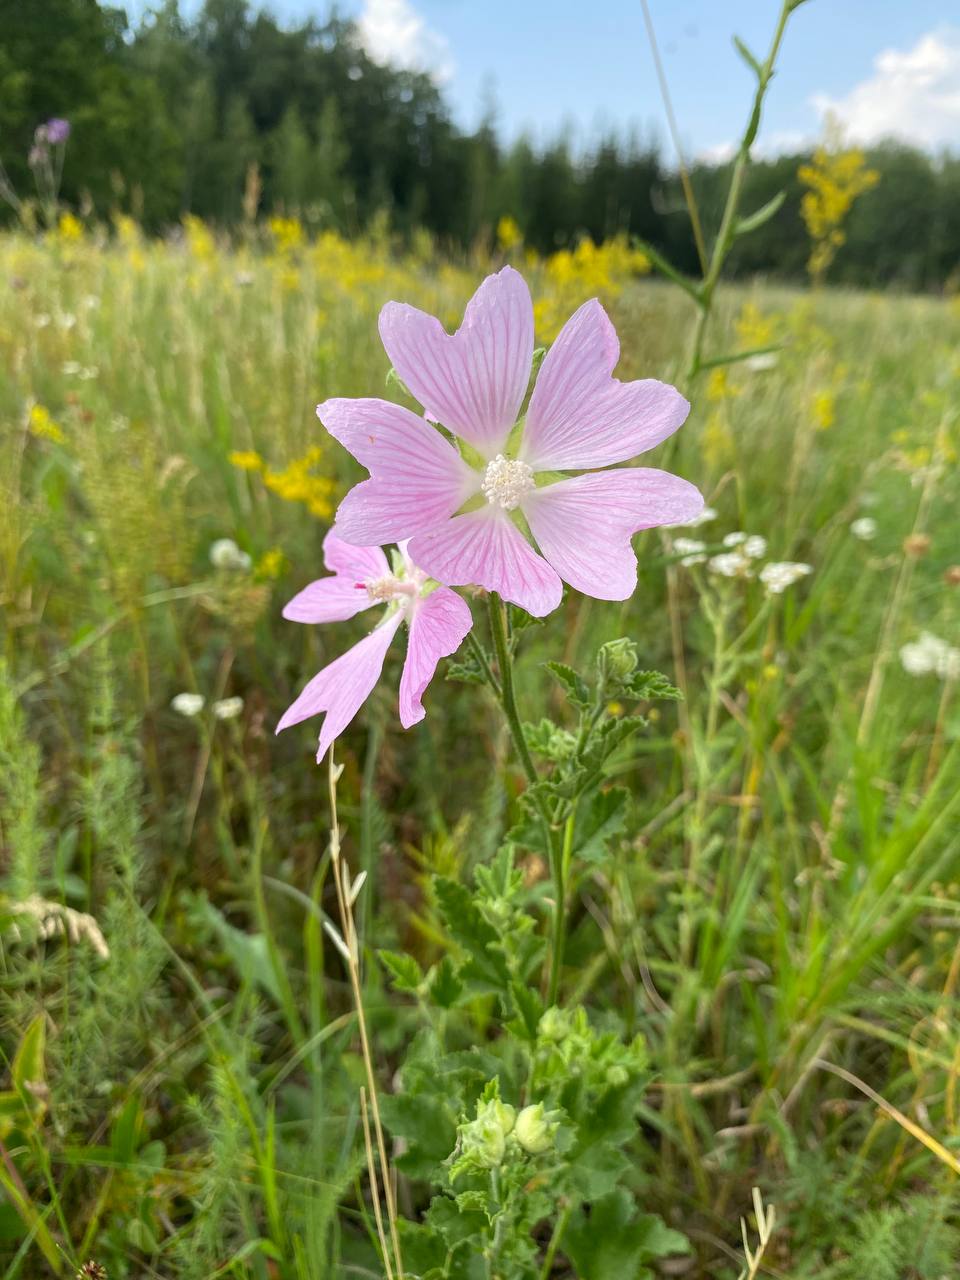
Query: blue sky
884	66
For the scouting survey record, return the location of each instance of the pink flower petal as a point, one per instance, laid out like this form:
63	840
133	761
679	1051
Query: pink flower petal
342	596
342	688
472	381
583	526
487	549
437	629
417	478
580	416
354	562
331	599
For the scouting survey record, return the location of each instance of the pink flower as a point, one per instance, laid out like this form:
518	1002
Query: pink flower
437	621
459	507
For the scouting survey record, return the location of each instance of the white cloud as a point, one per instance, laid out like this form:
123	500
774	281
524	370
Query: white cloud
393	32
913	94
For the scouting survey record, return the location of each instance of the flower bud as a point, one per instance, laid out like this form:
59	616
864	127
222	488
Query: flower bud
483	1141
535	1129
617	660
554	1025
916	545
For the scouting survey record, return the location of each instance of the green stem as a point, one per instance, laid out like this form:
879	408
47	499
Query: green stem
554	1244
507	697
726	234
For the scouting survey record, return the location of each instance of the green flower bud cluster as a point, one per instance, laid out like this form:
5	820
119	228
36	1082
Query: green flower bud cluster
498	1133
569	1049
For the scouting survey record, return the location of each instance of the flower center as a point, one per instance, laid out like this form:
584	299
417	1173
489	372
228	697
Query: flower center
389	587
506	482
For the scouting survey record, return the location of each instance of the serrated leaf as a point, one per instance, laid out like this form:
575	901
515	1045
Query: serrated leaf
529	1006
444	984
466	672
548	740
753	221
406	973
598	820
574	685
610	1240
473	934
651	686
427	1127
749	58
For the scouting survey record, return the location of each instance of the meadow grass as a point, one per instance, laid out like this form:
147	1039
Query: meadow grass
780	921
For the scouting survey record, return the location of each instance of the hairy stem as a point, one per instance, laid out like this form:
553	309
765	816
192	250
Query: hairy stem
507	698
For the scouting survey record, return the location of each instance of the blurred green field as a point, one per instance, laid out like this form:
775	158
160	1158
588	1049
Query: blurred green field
784	902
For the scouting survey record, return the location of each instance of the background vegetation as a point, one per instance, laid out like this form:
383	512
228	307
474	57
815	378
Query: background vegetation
170	115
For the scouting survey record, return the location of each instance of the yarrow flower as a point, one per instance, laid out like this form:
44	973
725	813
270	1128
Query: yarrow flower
690	550
437	621
228	708
460	508
188	704
225	554
864	528
780	574
929	655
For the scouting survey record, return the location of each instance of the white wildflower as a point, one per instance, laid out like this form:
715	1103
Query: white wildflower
761	362
71	368
188	704
690	550
228	708
735	539
225	554
42	320
731	564
755	547
865	528
929	655
780	574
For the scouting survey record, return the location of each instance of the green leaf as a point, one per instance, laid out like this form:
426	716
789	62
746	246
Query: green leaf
753	221
651	686
598	821
466	672
529	1006
749	58
28	1070
406	973
574	685
670	271
426	1125
444	984
715	362
610	1241
548	740
468	929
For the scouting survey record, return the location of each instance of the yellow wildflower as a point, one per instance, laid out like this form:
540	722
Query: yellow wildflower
836	178
246	460
287	235
200	239
824	409
70	228
509	235
270	565
754	329
41	424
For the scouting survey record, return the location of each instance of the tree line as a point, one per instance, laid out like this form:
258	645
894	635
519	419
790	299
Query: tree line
171	115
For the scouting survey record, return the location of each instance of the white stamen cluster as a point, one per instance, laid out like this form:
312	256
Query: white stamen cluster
506	482
931	656
384	588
